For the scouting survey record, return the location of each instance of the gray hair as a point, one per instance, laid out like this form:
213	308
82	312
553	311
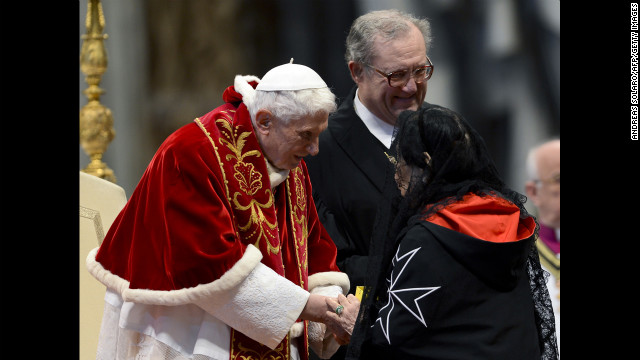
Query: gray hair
532	160
388	24
287	104
531	165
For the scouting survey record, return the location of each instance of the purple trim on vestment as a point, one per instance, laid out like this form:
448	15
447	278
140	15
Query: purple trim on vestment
548	237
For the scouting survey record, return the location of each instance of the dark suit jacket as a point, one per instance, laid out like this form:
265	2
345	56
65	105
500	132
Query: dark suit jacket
347	178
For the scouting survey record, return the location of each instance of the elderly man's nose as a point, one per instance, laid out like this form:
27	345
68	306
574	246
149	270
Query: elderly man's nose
411	85
314	147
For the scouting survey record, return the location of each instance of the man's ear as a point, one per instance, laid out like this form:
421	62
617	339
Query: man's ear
531	190
264	121
356	71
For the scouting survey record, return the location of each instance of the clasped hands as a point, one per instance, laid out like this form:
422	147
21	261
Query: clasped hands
322	309
342	324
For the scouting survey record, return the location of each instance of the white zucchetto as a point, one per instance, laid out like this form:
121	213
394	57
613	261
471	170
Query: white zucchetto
290	77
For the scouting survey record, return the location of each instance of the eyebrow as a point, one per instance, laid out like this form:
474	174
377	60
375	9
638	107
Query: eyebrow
424	63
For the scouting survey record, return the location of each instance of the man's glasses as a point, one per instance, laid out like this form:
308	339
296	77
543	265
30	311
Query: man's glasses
401	78
553	180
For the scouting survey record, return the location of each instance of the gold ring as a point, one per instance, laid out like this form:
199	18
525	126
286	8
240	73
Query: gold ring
339	309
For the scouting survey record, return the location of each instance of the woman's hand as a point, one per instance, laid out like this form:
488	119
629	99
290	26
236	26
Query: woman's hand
342	324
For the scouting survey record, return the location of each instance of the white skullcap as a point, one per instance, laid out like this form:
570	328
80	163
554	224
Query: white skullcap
290	77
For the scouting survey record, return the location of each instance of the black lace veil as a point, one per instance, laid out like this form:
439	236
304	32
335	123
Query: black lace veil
458	163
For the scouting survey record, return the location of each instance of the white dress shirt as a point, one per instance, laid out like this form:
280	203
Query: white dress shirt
380	129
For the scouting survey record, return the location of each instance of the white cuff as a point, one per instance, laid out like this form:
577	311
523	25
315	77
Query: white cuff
263	306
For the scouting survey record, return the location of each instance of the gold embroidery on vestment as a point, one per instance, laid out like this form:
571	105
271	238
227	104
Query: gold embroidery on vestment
257	217
300	205
250	181
235	143
548	258
241	352
215	148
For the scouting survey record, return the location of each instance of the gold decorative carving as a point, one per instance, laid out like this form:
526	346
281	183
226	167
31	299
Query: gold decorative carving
96	121
94	216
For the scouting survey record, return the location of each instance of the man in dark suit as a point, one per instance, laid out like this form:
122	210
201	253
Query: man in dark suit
386	52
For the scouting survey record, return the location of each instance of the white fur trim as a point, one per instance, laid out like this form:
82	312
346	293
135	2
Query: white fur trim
330	278
228	280
327	290
118	284
276	176
242	86
296	329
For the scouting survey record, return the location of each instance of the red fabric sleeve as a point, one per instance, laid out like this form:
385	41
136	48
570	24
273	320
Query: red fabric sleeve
175	232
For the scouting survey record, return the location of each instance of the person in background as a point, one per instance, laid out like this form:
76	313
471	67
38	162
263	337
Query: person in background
386	53
454	270
219	252
543	189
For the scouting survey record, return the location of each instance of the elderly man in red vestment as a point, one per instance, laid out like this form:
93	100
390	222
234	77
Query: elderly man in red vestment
219	253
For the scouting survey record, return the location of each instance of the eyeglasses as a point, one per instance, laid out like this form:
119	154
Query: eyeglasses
401	78
553	180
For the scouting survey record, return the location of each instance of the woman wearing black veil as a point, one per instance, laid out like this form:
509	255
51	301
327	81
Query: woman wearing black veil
454	270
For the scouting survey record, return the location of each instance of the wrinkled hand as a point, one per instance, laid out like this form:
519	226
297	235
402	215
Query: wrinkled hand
342	325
